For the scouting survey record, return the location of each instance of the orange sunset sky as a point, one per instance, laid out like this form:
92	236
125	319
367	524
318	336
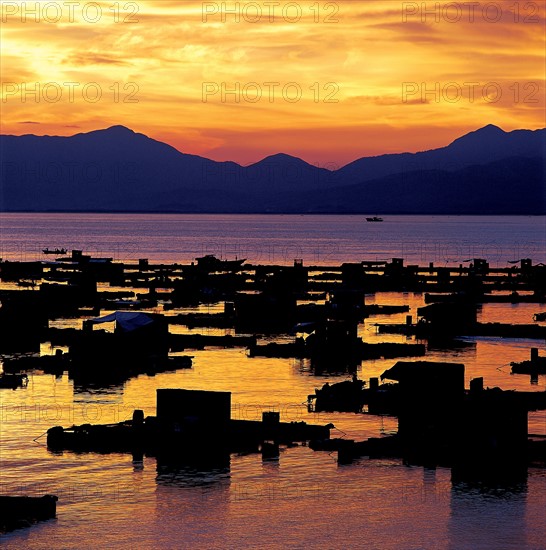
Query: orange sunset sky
152	59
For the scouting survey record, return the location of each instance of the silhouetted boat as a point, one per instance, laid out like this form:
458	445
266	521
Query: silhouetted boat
346	396
534	366
61	251
374	219
212	263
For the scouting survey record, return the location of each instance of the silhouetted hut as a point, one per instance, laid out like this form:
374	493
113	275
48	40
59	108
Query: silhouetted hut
430	402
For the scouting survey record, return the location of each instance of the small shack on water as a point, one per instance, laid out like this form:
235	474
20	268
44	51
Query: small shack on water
136	339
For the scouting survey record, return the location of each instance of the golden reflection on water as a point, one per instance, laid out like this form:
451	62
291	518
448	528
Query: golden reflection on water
304	494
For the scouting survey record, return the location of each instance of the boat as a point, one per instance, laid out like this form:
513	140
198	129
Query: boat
534	366
212	263
529	367
61	251
346	396
374	219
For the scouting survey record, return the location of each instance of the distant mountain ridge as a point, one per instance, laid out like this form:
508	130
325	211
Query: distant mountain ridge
487	171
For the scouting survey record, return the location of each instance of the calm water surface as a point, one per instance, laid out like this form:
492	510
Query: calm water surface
305	499
277	239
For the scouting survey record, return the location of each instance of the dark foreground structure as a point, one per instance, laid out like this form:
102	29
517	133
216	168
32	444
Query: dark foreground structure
479	433
19	511
189	424
321	306
534	366
13	381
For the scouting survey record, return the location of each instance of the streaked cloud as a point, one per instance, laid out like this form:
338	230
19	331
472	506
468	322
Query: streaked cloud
349	76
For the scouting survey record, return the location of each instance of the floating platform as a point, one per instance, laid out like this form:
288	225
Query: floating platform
535	366
21	511
501	330
478	433
181	342
387	350
345	396
51	364
188	422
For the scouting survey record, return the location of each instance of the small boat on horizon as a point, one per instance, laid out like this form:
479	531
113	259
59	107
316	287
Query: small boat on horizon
374	219
61	251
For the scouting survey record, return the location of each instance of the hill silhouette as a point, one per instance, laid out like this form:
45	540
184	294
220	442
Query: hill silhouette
488	171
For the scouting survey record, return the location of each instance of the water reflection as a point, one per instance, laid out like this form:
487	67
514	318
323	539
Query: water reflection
89	390
192	504
464	348
320	368
488	515
196	471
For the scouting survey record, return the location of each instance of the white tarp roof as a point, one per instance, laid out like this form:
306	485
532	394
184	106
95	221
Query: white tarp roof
127	320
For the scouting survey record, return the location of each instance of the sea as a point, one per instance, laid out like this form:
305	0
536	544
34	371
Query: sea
304	499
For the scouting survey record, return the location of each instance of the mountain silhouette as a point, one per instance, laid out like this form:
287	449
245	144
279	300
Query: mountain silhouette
487	171
514	185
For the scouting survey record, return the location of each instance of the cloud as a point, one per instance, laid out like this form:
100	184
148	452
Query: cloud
151	75
92	58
